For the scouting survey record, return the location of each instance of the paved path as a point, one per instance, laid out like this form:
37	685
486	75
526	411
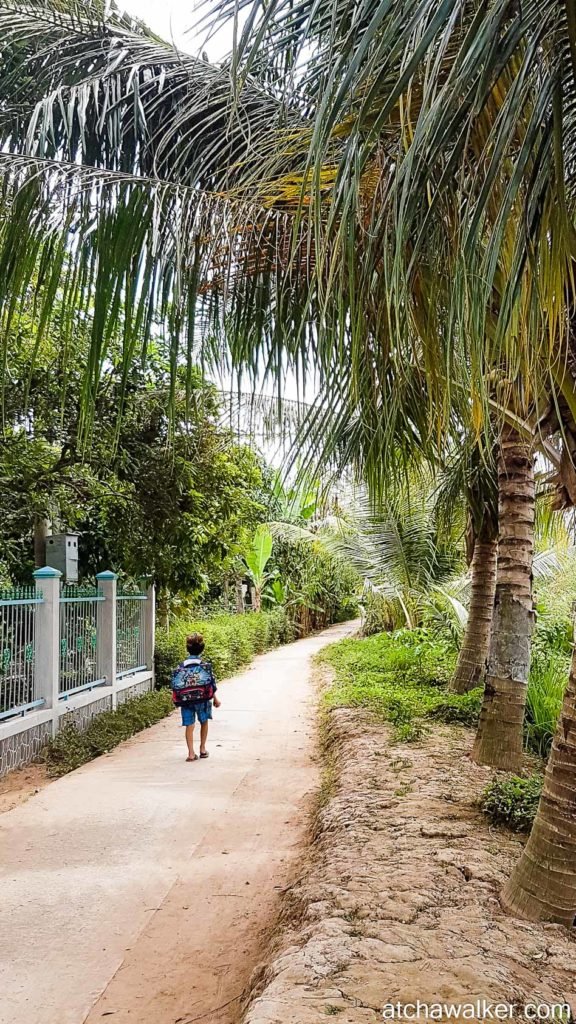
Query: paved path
139	888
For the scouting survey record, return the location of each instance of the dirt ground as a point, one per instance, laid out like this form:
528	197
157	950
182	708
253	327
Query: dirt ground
19	786
400	899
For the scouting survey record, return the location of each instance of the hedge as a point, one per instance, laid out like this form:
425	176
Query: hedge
232	641
72	747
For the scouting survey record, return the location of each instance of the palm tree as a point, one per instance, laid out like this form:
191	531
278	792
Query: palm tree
404	551
117	151
509	84
542	886
470	476
499	739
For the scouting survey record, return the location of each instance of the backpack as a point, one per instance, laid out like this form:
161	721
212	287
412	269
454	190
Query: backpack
192	682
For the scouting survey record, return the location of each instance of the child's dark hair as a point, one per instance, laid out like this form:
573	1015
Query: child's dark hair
195	643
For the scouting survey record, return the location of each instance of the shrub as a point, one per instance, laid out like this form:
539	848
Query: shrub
231	641
380	613
552	635
401	677
459	707
513	801
72	748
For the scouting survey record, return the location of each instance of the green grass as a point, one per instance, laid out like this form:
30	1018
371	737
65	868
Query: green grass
402	678
72	748
512	801
232	641
548	678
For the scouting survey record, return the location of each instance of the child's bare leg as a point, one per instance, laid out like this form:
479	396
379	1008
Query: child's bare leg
203	737
190	740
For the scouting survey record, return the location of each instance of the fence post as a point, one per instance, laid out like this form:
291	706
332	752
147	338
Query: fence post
47	640
150	627
106	633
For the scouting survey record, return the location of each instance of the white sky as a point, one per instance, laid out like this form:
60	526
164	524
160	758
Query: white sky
173	19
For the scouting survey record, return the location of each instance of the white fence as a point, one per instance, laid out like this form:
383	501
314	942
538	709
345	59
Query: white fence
67	653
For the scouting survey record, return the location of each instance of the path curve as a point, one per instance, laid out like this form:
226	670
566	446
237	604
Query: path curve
140	888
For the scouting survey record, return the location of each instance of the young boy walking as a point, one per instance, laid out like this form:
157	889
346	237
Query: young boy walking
194	691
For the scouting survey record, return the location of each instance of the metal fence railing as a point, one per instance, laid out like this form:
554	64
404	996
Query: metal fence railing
56	641
79	639
17	647
130	633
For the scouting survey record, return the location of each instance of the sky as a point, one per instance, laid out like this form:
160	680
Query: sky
172	19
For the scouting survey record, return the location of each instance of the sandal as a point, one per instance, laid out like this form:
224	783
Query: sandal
205	754
195	758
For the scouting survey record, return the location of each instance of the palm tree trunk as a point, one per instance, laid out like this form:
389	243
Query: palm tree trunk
473	657
542	886
500	729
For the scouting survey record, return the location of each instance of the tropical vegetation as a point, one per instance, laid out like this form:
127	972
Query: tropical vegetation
381	194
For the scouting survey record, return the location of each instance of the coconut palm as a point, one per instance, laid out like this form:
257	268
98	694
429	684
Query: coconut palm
116	153
484	156
470	477
404	552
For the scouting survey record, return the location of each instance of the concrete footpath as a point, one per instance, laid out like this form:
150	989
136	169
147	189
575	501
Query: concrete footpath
140	887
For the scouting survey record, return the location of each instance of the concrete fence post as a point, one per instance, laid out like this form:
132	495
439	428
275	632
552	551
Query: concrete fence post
106	633
150	627
47	644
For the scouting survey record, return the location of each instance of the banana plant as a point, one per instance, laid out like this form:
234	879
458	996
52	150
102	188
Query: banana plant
256	561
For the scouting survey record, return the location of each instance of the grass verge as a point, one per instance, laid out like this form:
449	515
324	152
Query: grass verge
401	677
72	748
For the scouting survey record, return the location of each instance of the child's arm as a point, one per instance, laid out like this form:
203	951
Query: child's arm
216	702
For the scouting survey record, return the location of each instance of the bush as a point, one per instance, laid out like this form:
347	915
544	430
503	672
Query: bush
231	641
71	748
459	707
513	801
400	676
380	613
552	635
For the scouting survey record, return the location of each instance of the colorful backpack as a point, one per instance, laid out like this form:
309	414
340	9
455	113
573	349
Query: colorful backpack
192	682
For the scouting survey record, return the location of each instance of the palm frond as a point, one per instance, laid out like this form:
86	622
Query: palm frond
398	552
107	93
451	129
385	191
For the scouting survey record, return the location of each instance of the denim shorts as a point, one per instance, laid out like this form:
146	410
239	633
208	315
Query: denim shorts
201	711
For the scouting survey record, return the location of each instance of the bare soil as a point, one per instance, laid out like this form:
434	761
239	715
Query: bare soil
400	899
20	785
